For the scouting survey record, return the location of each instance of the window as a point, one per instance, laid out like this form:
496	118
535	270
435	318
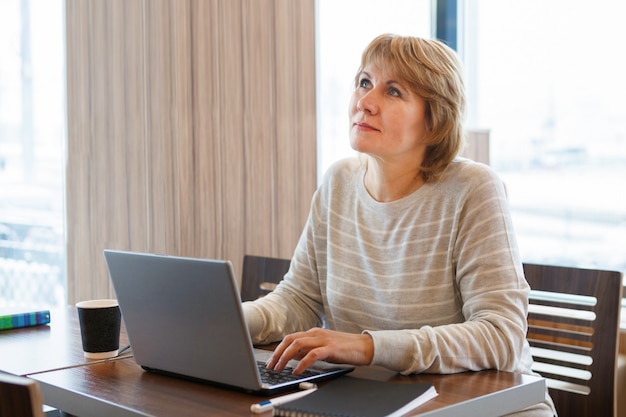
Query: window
32	85
551	94
344	28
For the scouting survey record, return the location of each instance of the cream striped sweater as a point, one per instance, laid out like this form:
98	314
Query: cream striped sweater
435	278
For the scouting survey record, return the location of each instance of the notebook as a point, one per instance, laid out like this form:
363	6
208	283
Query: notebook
183	318
353	397
15	318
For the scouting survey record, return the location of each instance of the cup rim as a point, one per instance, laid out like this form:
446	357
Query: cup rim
98	303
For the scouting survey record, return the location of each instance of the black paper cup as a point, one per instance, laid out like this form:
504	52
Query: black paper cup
100	322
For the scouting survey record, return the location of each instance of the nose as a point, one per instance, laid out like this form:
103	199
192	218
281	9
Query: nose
368	102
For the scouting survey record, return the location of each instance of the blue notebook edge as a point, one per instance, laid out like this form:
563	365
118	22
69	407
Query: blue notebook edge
20	319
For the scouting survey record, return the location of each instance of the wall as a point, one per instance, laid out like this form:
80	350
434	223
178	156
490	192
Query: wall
191	130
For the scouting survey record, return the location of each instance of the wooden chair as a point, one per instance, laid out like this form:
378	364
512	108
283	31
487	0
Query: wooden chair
20	397
573	331
260	275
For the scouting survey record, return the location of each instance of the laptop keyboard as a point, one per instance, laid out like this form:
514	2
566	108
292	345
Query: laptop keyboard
272	377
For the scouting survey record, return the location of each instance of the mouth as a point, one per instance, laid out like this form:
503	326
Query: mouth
364	126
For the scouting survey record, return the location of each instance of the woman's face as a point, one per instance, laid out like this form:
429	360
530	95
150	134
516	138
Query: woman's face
387	120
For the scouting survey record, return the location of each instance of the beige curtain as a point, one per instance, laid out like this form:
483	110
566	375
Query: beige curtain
191	130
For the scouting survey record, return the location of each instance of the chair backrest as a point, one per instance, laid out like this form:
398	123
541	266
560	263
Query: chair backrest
260	275
573	331
20	397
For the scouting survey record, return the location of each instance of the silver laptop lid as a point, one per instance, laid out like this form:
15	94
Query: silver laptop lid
184	316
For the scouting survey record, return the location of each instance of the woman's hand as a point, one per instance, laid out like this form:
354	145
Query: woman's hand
322	344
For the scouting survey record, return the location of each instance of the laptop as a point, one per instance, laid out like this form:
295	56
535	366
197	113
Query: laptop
183	318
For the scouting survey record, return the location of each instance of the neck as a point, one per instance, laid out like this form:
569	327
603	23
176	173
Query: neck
386	185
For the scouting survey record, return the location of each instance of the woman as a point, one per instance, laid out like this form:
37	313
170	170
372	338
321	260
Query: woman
408	254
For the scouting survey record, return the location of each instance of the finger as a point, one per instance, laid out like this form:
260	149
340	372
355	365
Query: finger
279	352
293	346
309	359
273	359
296	349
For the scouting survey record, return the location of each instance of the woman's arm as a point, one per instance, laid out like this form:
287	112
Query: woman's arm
295	305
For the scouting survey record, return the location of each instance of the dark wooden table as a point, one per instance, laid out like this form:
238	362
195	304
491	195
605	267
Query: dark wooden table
52	354
122	388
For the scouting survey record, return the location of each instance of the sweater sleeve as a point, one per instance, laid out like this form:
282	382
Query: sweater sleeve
295	305
494	295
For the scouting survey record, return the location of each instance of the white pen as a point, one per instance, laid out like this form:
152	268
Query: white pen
267	405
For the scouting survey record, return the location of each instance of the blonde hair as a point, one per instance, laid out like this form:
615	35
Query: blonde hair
432	71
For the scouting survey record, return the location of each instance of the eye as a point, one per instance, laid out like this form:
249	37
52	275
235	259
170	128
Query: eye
364	83
394	92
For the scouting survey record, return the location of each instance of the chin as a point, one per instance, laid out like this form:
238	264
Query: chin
359	147
357	144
